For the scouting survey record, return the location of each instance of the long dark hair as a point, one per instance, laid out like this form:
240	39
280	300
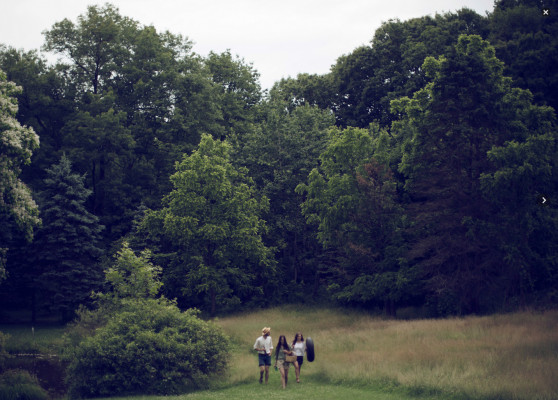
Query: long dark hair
280	345
301	337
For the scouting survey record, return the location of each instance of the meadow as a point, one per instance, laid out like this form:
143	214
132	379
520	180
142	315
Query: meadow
509	356
358	356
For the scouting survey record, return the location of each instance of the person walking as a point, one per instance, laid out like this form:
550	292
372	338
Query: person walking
281	352
264	347
298	347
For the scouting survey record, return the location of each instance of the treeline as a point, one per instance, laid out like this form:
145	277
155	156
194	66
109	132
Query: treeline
411	174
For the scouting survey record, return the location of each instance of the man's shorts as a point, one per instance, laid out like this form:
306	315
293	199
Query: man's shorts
264	359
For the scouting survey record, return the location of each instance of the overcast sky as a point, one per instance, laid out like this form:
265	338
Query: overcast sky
280	38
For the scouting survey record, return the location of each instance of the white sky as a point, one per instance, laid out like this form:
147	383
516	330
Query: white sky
280	38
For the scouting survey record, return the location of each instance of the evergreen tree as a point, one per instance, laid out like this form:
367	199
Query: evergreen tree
448	130
66	249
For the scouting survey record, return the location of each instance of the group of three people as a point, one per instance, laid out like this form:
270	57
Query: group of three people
264	347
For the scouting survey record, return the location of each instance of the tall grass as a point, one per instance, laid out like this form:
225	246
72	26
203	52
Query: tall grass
26	339
512	356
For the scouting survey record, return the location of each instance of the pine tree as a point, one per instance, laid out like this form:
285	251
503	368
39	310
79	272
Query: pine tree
67	247
450	129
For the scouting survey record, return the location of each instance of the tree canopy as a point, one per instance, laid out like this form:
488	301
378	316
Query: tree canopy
411	174
18	210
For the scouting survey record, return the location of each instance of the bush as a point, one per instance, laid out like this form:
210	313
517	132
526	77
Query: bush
147	346
20	385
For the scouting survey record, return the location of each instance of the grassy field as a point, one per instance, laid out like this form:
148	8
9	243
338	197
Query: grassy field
45	339
513	356
500	357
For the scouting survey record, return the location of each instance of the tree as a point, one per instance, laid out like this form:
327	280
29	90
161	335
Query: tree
213	219
43	105
311	89
18	210
67	249
367	79
140	100
351	198
527	42
448	130
97	137
237	92
279	154
138	342
94	45
133	277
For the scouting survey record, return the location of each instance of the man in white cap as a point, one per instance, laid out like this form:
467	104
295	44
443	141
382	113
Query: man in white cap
264	347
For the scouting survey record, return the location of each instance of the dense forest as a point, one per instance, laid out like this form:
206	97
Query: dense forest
421	171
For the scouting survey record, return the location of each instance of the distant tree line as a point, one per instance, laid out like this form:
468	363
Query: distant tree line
411	174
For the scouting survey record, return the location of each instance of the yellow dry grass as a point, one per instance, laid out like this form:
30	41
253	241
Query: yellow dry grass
513	355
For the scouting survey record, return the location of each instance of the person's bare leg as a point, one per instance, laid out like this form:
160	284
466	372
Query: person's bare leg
266	373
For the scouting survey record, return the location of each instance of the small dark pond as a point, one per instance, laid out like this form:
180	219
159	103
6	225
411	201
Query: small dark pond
48	369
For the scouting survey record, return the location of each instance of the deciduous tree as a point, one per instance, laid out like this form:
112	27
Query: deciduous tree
18	210
352	200
213	218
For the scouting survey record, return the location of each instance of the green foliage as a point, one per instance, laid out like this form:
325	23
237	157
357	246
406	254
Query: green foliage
212	216
439	191
279	153
310	89
527	43
147	347
132	276
236	90
24	339
352	200
367	79
141	99
136	343
66	251
17	144
20	385
452	133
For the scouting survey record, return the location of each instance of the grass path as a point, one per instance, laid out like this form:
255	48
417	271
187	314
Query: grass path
305	390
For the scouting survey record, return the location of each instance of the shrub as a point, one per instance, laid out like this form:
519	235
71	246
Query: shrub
147	346
20	385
